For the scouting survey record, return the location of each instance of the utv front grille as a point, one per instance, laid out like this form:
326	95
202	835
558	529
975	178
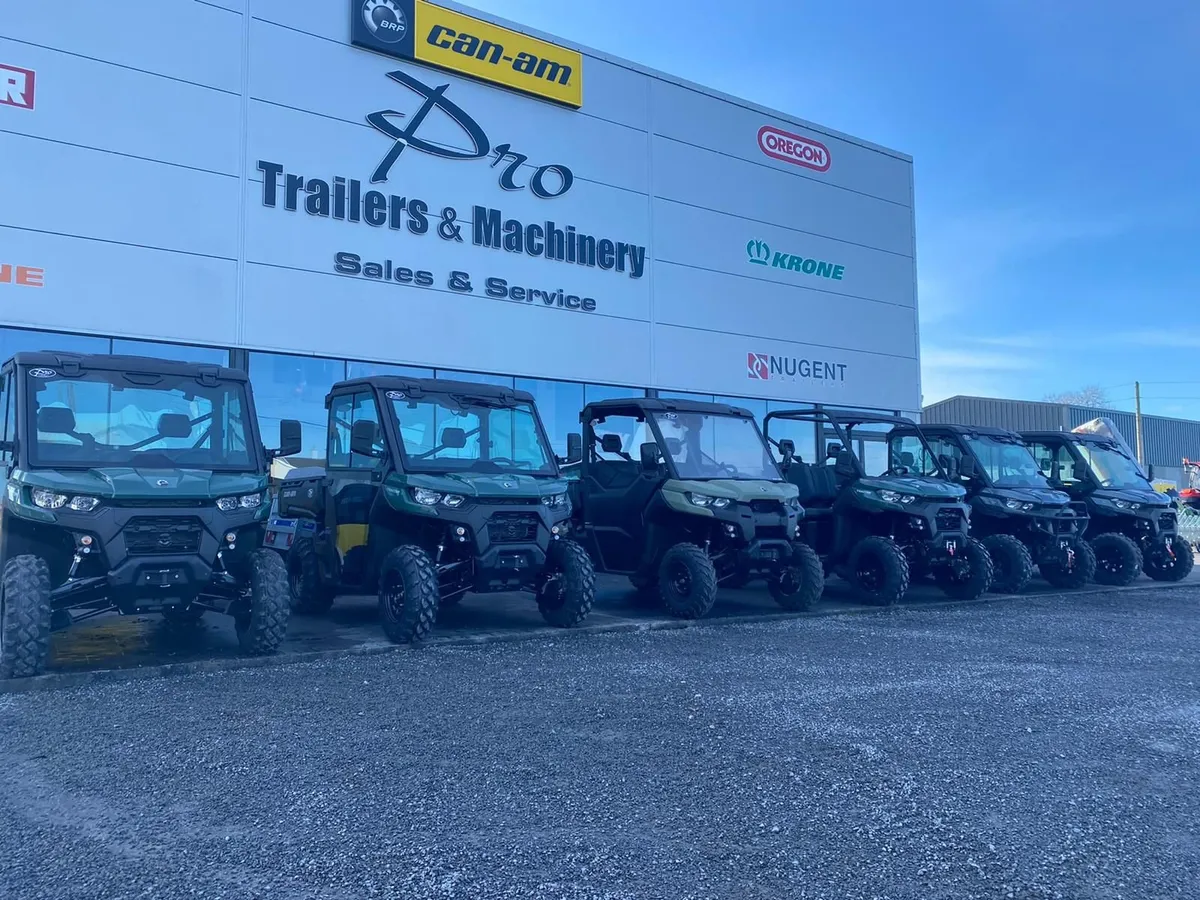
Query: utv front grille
159	535
160	503
948	520
1167	521
512	528
767	507
505	501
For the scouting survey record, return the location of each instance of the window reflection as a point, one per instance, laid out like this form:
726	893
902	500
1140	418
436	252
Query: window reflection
476	377
594	392
684	395
559	403
758	408
294	387
17	340
179	352
355	369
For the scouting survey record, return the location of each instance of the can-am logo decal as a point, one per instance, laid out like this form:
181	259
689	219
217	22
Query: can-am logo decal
16	86
759	253
793	148
343	198
768	367
447	39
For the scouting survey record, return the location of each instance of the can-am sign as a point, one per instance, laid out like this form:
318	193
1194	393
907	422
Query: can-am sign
793	148
424	33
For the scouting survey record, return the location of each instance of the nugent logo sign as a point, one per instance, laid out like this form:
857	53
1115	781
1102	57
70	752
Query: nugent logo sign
793	148
768	367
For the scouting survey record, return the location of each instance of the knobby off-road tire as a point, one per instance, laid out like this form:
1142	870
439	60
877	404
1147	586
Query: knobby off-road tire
263	628
1177	570
1082	574
1118	559
687	582
409	596
25	616
1012	563
308	595
801	582
567	598
978	580
879	570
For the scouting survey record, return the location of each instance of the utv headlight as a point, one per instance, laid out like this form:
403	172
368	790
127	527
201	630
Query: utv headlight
48	499
426	498
708	501
897	497
1018	505
1125	504
246	501
555	501
454	500
83	504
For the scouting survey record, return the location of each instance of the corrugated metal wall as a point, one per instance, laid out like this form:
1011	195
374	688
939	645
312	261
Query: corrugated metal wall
1166	441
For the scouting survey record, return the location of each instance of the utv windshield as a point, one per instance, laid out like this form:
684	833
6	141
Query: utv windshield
708	446
1112	468
1006	462
453	433
141	420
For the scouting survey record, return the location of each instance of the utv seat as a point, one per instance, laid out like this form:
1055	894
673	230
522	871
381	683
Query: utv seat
817	483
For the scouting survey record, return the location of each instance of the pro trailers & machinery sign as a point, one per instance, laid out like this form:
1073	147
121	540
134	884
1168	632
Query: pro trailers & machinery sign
434	36
343	198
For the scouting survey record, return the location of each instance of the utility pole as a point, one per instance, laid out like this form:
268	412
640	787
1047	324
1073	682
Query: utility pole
1137	421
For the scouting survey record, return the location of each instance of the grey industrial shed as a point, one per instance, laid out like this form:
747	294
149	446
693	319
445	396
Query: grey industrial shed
1166	441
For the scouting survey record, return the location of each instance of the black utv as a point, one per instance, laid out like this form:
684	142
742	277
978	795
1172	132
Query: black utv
133	485
874	531
1021	519
1132	528
682	495
433	488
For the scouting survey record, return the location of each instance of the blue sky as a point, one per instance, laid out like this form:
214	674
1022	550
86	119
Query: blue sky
1057	163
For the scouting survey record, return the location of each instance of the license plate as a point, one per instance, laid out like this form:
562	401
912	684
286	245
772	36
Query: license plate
770	553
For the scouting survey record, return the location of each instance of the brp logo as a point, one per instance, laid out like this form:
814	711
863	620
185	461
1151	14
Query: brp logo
385	20
757	367
758	252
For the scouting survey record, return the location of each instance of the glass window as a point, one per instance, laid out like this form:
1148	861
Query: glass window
704	446
7	409
594	392
294	387
366	369
683	395
149	421
632	433
802	434
180	352
874	456
337	455
15	340
365	410
1057	461
757	407
1006	462
908	456
476	377
558	403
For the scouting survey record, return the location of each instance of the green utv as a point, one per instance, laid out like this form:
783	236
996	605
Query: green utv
433	488
1021	519
875	531
681	496
135	485
1132	528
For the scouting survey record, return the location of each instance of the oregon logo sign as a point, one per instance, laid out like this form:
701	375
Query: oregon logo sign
424	33
793	148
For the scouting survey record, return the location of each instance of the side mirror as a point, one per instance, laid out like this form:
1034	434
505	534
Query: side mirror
1077	472
832	450
649	456
453	438
290	439
787	449
1150	471
574	448
611	443
966	468
362	438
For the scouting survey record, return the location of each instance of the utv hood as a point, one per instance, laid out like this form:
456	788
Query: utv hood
733	489
480	485
932	488
1040	496
146	484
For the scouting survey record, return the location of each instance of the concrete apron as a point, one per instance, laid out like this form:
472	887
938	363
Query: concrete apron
122	648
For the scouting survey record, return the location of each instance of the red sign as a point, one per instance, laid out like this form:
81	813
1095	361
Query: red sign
25	276
16	86
792	148
757	367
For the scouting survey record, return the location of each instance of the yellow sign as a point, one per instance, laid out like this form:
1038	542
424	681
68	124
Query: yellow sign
436	36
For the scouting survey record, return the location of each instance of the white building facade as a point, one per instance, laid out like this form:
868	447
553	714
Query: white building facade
329	188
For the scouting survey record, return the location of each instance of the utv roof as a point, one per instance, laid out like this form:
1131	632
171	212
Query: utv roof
1073	436
857	416
442	386
667	404
66	362
970	429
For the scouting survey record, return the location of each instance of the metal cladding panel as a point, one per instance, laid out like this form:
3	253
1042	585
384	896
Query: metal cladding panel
1016	415
305	195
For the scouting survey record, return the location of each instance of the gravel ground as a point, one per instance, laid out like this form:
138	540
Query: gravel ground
1038	748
